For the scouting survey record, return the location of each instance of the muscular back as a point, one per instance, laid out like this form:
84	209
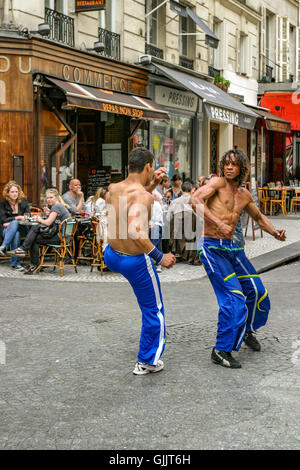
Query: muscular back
129	210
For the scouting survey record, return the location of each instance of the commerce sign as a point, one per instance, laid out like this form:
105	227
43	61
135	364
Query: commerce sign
88	5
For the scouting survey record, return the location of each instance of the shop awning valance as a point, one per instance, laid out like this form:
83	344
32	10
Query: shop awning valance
219	105
83	96
273	123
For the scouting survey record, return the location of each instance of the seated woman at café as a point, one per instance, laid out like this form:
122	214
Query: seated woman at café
58	212
13	206
96	205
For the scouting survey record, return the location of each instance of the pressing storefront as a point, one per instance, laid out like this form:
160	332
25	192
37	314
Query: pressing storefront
202	118
66	112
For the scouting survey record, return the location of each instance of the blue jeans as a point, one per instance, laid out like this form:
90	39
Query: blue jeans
11	240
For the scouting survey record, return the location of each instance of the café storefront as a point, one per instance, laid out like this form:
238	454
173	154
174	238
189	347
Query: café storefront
65	112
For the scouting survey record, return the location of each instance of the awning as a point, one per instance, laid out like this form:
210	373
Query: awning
219	105
285	106
83	96
273	122
210	38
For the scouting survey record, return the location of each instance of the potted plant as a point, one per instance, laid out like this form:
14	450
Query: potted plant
221	82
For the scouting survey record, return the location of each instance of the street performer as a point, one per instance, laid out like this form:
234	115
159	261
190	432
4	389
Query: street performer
131	253
243	300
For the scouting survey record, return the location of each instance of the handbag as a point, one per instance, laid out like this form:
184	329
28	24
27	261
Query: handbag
49	232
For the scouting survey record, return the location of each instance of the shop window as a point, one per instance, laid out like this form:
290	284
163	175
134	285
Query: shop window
171	145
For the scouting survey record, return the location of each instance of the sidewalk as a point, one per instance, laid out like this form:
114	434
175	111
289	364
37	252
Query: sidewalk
265	253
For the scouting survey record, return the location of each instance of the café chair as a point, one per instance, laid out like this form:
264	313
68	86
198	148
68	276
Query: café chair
35	211
59	252
274	202
97	245
295	201
85	241
264	199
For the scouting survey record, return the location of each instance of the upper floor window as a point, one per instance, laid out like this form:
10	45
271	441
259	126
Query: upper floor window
107	16
187	37
58	5
152	22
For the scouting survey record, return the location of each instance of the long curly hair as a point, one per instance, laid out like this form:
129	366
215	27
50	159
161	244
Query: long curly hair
8	187
239	159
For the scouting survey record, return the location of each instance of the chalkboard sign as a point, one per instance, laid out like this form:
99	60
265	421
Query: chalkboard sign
98	177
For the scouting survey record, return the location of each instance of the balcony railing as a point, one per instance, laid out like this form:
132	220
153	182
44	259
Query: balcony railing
269	72
153	50
187	63
61	27
212	72
111	43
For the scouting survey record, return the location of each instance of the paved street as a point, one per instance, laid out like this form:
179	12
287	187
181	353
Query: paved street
67	380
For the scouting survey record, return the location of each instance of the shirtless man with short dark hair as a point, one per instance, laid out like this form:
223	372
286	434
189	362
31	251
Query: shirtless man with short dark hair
130	252
243	300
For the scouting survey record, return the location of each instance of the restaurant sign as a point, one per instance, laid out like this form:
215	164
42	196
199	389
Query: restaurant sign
88	5
229	116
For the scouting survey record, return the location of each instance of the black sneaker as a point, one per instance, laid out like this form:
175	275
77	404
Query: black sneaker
251	341
225	359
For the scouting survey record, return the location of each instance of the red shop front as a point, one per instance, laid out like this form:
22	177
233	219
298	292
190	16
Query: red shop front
287	106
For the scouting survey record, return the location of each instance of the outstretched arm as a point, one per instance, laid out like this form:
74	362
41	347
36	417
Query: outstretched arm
264	223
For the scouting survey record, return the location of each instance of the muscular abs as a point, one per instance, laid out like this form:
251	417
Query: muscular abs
226	205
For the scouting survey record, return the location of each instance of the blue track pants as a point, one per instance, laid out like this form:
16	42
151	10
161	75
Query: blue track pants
243	300
141	274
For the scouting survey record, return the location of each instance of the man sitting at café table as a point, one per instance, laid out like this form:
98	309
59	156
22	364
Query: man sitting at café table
74	197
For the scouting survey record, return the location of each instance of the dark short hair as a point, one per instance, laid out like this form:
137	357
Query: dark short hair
176	177
187	187
240	159
138	159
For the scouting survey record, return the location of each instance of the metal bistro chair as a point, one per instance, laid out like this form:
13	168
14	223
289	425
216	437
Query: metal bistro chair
60	251
295	201
85	246
97	245
279	202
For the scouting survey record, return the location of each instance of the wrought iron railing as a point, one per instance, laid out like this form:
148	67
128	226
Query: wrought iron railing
269	72
111	43
212	72
61	27
185	62
153	50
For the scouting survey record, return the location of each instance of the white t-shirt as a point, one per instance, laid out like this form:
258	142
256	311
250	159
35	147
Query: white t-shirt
157	215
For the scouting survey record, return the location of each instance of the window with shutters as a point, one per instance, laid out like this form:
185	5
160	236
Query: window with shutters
282	49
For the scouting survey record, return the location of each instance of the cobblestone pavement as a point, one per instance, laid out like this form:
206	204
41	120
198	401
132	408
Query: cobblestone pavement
67	354
179	272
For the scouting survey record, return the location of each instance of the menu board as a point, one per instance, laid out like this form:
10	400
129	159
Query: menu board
98	177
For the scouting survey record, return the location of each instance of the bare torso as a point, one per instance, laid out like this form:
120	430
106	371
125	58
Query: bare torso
225	202
124	201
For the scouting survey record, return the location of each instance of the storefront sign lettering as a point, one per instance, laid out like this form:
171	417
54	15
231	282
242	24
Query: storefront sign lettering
225	115
25	67
124	110
176	98
89	5
96	79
